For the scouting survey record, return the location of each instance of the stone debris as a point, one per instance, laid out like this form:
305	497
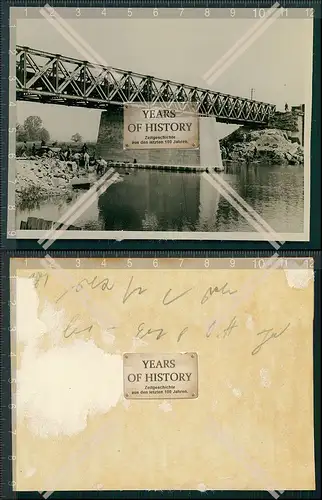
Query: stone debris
266	146
50	175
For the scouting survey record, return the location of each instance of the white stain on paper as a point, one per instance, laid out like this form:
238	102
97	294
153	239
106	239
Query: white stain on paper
137	342
299	278
108	337
98	486
54	321
165	406
250	322
126	403
236	392
214	405
30	472
59	389
265	378
29	329
202	487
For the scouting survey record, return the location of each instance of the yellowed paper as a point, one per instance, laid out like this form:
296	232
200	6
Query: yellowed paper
251	426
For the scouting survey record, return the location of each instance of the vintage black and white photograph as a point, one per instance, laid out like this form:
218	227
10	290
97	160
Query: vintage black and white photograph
162	126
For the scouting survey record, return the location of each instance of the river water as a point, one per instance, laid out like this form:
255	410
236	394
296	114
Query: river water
172	201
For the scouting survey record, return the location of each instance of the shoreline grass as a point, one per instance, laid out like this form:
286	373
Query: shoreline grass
32	196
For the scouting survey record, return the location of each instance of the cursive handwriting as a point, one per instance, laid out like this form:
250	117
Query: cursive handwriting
227	331
129	293
175	298
149	331
71	330
168	297
268	336
103	284
182	333
143	332
38	276
211	290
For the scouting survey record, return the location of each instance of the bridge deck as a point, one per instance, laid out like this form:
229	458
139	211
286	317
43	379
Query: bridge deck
56	79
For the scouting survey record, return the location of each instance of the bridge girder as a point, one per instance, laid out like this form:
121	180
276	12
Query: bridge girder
56	79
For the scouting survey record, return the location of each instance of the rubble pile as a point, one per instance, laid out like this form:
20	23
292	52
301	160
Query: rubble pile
50	176
267	146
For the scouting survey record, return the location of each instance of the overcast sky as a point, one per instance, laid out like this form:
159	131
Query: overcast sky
277	65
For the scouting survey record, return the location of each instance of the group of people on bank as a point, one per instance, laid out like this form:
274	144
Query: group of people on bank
81	158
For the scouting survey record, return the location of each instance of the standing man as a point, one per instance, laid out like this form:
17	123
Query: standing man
77	158
86	160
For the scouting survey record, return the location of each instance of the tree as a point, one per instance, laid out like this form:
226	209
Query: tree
44	135
21	135
32	130
77	137
33	126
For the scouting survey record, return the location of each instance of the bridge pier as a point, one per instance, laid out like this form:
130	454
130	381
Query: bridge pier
299	114
210	154
110	144
292	122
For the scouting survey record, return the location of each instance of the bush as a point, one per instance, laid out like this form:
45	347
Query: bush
29	197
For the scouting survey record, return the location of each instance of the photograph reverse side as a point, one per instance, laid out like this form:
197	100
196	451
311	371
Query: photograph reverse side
203	134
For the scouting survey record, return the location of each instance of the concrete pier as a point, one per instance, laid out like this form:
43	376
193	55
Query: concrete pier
292	122
110	144
299	114
210	153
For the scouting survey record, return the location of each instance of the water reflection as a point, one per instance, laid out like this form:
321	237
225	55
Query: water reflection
275	192
208	206
148	200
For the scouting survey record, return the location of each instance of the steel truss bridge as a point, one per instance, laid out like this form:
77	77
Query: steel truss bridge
55	79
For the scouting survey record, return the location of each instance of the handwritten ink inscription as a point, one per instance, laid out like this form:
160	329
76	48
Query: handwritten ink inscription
266	336
160	376
134	292
133	289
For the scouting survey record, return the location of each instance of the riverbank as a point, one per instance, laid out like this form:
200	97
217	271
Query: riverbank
266	146
156	200
75	147
43	178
